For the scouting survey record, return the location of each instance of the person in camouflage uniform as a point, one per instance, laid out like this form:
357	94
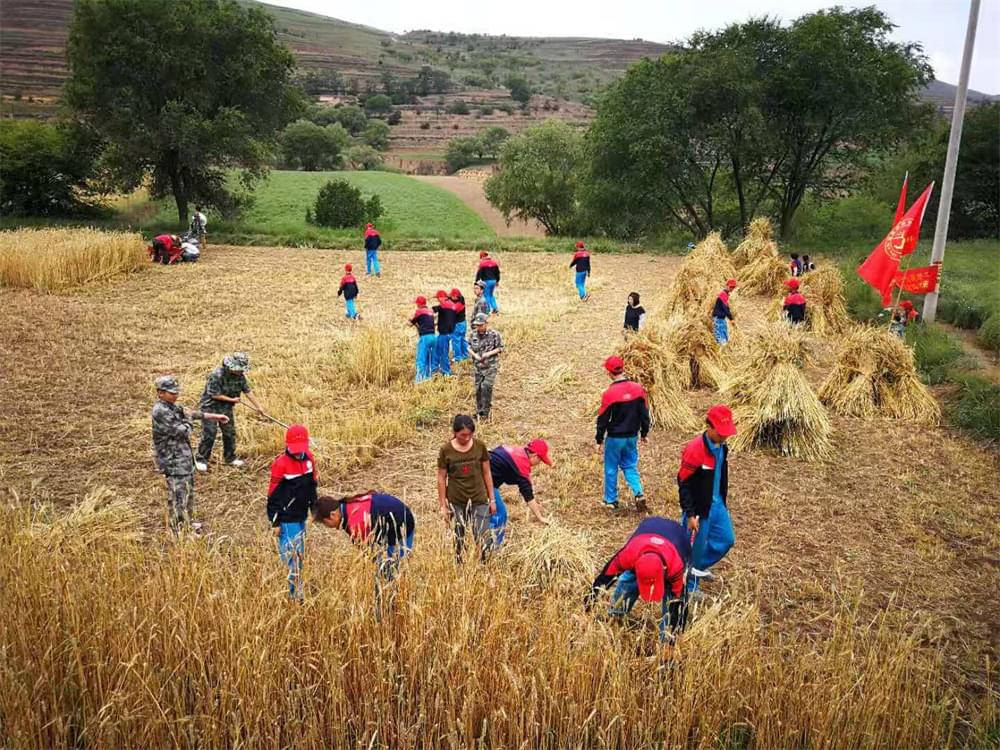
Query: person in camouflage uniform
485	346
225	388
480	306
172	450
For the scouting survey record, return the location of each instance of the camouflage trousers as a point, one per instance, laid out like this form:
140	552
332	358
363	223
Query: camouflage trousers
208	432
180	501
485	380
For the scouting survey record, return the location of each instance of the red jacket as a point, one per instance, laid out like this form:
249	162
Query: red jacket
292	491
696	477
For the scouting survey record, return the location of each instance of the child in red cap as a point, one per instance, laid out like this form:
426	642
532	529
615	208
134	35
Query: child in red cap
512	464
623	417
489	273
372	243
581	259
349	288
794	305
459	346
445	311
703	485
423	320
721	313
290	496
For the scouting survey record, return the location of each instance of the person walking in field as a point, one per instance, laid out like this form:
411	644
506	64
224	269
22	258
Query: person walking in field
703	486
373	241
721	313
459	346
225	387
512	464
489	273
902	316
485	347
199	226
794	265
445	311
794	305
423	320
349	288
652	566
635	314
622	419
481	306
383	522
172	425
290	496
581	260
465	486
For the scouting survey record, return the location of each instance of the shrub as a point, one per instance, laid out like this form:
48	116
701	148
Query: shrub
376	134
59	259
857	218
339	204
306	145
364	156
395	117
977	410
458	107
935	350
425	125
378	104
989	334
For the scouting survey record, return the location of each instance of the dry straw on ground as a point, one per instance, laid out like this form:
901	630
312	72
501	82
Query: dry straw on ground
60	259
826	310
758	243
552	557
650	361
874	375
773	405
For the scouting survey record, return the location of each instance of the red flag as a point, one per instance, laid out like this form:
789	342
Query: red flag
917	280
901	205
880	267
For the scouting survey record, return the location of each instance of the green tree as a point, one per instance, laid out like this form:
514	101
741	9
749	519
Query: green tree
539	176
364	157
212	101
461	152
308	146
340	204
489	141
376	135
44	168
352	118
378	104
520	89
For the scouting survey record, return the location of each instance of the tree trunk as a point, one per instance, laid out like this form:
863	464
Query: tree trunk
177	187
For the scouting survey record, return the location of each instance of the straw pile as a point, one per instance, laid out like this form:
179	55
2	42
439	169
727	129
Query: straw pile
703	272
711	254
698	358
826	311
766	274
650	361
553	557
772	403
875	375
59	259
758	243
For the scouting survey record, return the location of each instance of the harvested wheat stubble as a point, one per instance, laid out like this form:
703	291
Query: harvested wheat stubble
772	402
826	310
758	243
874	374
60	259
650	361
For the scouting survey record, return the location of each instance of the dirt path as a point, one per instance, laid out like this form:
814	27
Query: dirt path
471	193
989	363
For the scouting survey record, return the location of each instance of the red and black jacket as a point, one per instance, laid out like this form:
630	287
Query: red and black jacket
445	310
348	287
581	259
795	307
423	319
624	412
459	303
696	477
512	465
489	270
721	309
292	492
377	518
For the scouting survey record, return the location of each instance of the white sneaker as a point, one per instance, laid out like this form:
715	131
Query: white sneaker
236	462
704	575
201	466
196	526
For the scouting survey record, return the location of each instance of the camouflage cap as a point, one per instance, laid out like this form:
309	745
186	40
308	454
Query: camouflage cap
237	362
168	383
480	320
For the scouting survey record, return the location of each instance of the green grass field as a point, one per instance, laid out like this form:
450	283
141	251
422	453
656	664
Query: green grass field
413	209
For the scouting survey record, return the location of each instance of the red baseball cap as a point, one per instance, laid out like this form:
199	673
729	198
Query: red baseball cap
580	244
483	253
649	576
721	418
348	267
792	283
614	365
440	294
421	300
456	293
906	304
541	449
731	283
297	438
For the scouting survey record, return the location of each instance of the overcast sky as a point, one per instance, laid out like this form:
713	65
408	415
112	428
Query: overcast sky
939	25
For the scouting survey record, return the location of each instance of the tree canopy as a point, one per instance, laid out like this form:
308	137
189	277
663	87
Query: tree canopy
180	92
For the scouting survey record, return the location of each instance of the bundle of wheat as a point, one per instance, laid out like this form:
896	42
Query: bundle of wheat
553	557
826	310
758	243
59	259
649	360
689	291
698	357
765	274
874	375
711	255
773	404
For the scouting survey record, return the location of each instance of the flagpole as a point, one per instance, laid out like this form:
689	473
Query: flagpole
954	140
